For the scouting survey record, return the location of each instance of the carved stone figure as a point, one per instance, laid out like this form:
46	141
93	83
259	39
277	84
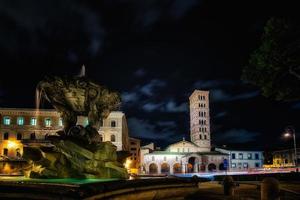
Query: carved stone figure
77	151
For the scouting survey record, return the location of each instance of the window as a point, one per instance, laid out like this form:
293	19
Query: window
101	138
153	158
256	156
19	136
165	158
6	136
47	122
178	150
33	121
5	151
257	165
113	123
204	105
200	137
204	114
205	137
205	130
20	121
203	97
6	120
18	154
176	158
112	138
233	165
240	155
60	122
101	123
245	165
233	156
249	156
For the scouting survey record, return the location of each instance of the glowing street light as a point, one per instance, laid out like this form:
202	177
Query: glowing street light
290	132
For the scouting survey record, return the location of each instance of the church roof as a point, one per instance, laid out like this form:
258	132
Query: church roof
182	142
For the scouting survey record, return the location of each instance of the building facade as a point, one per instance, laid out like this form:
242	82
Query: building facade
135	152
114	129
21	127
285	158
200	120
241	160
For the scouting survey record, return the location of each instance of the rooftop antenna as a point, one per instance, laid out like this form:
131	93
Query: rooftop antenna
82	71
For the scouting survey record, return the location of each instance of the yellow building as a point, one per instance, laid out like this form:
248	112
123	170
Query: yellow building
23	126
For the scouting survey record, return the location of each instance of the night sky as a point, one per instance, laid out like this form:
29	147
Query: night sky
155	53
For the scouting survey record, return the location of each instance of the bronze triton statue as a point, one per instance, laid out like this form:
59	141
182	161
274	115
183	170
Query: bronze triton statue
76	151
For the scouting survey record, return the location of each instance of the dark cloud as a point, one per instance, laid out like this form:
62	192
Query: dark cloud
219	95
145	129
140	72
219	115
210	84
296	106
153	86
237	136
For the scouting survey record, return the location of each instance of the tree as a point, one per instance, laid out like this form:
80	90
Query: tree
275	65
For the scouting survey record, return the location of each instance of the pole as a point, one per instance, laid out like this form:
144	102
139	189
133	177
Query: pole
295	148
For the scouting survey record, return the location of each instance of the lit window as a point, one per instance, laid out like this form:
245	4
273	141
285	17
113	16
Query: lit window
47	122
233	165
33	121
112	138
20	121
113	123
60	122
5	136
249	155
6	120
240	155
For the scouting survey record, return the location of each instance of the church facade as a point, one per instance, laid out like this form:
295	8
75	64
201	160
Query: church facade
185	156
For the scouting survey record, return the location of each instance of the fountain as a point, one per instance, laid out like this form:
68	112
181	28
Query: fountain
76	151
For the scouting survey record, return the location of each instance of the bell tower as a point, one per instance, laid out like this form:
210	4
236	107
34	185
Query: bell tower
200	120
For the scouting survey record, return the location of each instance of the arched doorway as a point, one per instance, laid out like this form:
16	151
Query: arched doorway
191	165
212	167
176	168
221	167
165	168
153	168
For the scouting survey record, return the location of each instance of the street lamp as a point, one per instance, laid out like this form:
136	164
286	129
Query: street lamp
290	132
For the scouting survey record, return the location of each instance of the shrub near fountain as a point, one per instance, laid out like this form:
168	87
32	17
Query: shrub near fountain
76	151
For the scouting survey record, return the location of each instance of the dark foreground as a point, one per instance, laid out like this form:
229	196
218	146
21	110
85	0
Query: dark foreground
144	189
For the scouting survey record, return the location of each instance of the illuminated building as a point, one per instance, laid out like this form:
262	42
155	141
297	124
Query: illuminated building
285	158
135	146
187	156
21	127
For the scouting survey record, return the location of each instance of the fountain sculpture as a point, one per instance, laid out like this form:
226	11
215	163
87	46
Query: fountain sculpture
76	151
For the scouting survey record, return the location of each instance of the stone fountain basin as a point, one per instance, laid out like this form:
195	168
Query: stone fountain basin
140	189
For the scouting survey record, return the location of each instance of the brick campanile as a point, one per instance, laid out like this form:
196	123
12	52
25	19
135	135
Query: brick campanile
200	120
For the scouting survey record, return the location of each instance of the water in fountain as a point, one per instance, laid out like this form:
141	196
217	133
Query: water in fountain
82	72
